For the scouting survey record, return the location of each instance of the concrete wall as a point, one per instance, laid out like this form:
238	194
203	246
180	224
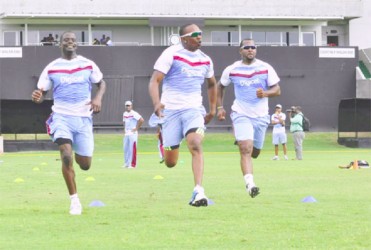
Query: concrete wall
316	84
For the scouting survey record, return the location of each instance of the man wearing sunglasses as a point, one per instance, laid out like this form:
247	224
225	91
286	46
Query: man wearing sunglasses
254	82
182	70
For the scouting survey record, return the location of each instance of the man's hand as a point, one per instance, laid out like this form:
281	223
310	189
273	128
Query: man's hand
260	93
208	117
158	109
37	96
95	105
221	114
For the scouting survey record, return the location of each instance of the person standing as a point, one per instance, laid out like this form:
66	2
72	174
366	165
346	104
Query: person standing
296	128
109	41
103	39
70	125
279	132
254	82
133	121
182	70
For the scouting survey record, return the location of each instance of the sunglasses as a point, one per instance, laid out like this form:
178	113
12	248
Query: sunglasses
248	47
193	34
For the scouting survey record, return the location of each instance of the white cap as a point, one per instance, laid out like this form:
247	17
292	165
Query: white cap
128	103
279	106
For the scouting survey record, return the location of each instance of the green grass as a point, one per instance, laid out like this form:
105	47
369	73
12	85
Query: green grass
144	213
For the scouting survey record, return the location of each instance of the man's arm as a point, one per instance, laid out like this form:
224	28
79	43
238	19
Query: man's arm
96	103
154	92
212	94
274	90
139	124
220	99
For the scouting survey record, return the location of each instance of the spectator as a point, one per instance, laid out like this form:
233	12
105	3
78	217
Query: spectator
296	128
96	41
279	133
103	40
133	121
109	41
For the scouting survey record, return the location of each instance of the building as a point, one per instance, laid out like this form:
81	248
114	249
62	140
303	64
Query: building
291	34
147	22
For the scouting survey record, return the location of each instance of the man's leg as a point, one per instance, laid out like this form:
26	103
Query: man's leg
83	161
246	148
69	177
297	145
194	143
171	156
67	167
127	151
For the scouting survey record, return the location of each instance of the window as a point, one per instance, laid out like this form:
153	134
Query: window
276	38
259	37
219	38
235	39
10	38
308	39
293	39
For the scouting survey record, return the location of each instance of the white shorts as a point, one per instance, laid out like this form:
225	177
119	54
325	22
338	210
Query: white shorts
247	128
279	138
178	122
75	128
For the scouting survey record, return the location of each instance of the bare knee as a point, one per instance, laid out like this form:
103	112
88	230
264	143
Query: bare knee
83	161
66	159
255	153
170	164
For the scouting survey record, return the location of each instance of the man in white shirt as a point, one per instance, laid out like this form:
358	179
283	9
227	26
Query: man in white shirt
182	70
133	121
254	82
71	125
279	133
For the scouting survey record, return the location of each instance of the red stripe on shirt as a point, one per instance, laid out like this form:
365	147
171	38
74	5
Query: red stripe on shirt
191	63
251	75
71	71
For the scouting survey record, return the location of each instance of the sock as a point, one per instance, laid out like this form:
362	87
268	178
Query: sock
199	189
74	196
249	179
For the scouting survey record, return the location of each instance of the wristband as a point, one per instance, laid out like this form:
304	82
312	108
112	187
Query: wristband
220	107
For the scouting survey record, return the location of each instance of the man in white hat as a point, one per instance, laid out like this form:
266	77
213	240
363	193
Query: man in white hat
133	121
279	133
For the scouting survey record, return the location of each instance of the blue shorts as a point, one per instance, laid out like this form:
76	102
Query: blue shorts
279	138
247	128
78	129
178	122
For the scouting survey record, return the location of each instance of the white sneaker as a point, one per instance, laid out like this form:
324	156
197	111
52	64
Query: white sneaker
75	208
286	158
275	158
198	199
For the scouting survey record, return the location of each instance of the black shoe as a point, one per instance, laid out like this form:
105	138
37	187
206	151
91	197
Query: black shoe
253	192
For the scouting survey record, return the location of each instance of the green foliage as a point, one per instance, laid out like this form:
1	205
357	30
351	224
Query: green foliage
146	213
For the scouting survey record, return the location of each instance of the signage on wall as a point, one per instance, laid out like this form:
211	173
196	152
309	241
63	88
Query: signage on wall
337	53
10	52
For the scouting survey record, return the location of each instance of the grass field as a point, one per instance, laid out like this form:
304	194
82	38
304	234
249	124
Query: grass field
142	212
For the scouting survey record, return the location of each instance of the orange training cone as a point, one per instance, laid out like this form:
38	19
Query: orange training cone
355	164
